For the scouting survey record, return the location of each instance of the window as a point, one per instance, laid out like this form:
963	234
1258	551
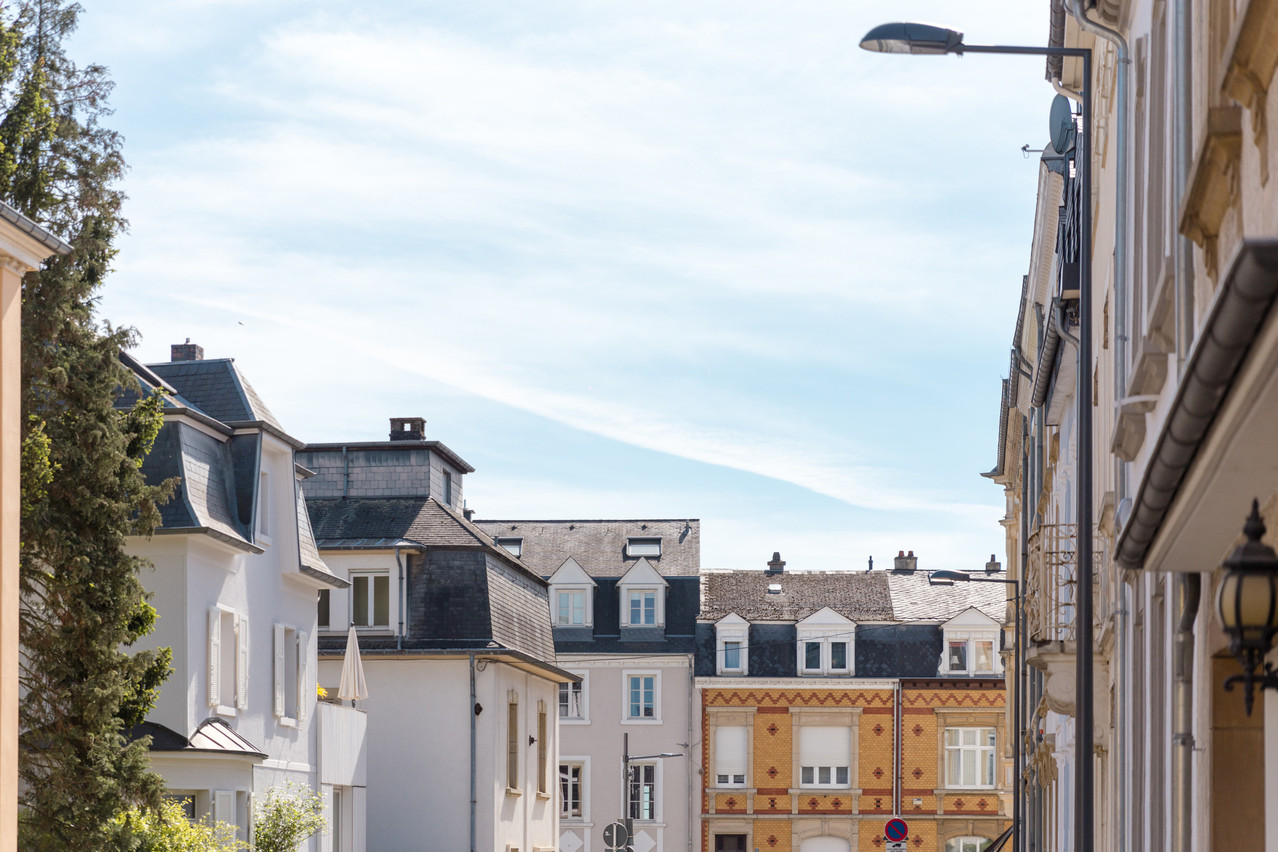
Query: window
228	661
967	844
571	703
514	546
543	769
730	746
293	692
448	488
731	638
571	606
825	654
825	756
642	796
648	547
643	607
323	619
264	505
642	697
969	757
512	742
970	653
570	778
370	600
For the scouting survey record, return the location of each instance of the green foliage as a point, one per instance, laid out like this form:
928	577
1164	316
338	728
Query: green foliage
168	830
286	816
83	490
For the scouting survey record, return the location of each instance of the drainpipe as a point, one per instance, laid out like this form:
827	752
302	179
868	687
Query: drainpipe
1020	839
692	694
1182	110
1189	591
896	749
474	717
399	636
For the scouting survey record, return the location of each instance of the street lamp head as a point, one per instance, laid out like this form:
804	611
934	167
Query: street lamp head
1247	605
912	38
947	578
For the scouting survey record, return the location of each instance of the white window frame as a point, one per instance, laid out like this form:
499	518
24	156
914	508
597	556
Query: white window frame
582	762
985	769
324	594
513	544
220	643
448	488
588	600
294	643
646	546
583	701
969	638
968	843
723	634
391	602
570	594
658	606
827	637
833	782
626	718
640	767
745	770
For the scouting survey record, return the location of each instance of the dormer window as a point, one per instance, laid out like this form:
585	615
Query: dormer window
970	645
643	597
570	605
514	546
825	643
732	633
647	547
643	607
572	594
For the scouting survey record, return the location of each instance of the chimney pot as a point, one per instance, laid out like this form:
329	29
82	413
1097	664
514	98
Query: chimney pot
905	564
776	565
408	428
186	351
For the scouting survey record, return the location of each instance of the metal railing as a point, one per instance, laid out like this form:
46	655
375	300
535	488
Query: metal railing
1051	584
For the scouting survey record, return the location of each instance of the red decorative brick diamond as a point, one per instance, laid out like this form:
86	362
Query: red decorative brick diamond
878	772
918	840
878	841
918	730
732	803
772	840
958	803
917	773
772	772
772	729
812	803
837	803
981	804
878	730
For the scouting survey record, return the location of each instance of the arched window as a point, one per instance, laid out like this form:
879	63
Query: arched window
967	844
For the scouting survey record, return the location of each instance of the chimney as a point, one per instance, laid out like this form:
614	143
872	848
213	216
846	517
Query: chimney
775	566
408	428
186	351
993	566
905	563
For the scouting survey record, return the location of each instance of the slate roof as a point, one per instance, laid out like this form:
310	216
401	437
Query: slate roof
915	599
857	596
599	546
217	388
419	520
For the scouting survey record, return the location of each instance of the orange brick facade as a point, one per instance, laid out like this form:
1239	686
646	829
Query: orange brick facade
777	814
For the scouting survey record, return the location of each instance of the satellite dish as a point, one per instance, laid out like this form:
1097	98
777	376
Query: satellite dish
1061	125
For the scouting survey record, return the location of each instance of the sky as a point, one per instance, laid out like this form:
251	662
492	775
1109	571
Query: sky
629	259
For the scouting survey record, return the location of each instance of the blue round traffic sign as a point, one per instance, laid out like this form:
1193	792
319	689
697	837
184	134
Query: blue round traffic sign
896	829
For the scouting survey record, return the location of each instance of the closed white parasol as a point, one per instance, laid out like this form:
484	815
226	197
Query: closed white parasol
353	686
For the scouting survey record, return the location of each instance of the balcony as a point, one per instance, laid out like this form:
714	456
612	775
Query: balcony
1051	606
342	744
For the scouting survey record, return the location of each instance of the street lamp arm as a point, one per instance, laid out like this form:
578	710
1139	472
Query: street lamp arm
653	756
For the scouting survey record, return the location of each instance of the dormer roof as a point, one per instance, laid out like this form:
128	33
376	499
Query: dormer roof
571	574
642	574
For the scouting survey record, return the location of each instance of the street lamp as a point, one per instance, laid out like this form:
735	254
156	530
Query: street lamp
929	39
626	784
949	578
1247	603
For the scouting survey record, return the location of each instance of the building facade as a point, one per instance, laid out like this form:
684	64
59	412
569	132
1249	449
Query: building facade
455	636
624	597
1185	340
834	702
235	579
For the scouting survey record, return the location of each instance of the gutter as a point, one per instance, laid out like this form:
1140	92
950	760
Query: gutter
31	229
1046	362
1240	309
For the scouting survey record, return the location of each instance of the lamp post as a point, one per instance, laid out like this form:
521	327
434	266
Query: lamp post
626	758
928	39
1247	603
949	578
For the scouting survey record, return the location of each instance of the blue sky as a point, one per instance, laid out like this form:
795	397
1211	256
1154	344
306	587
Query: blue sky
658	259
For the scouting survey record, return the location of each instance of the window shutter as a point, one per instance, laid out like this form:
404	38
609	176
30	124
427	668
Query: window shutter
280	668
304	691
215	656
730	751
224	806
241	691
825	746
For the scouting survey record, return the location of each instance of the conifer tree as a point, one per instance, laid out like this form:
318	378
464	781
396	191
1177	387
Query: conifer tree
83	490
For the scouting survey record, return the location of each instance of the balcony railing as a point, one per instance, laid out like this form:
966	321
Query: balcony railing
1051	584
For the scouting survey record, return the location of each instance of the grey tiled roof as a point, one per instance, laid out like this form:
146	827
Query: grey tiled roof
914	599
216	387
204	496
857	596
422	520
308	553
599	547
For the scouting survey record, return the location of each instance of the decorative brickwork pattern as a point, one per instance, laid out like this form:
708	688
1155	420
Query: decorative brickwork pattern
797	698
